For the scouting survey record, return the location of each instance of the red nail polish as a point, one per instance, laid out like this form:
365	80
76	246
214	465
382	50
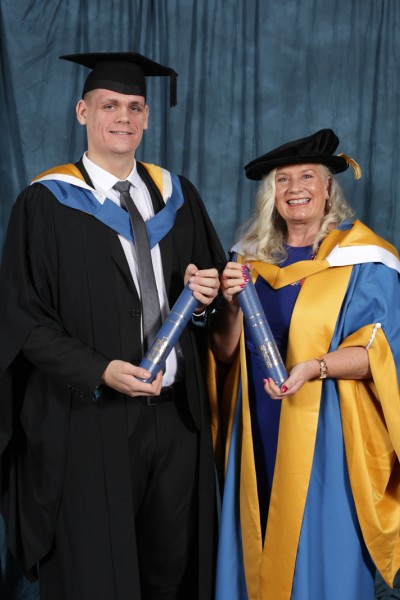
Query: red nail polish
284	388
265	381
243	285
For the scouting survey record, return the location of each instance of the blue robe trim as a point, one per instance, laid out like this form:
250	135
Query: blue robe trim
230	581
113	215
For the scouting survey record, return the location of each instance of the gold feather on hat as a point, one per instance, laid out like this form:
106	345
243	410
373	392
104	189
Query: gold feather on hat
353	164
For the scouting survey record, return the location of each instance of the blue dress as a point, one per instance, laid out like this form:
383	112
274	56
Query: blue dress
265	412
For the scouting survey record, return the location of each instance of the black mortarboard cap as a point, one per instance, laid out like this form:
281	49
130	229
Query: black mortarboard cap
316	148
122	72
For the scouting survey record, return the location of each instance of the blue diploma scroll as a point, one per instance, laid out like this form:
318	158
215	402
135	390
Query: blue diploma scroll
261	333
169	333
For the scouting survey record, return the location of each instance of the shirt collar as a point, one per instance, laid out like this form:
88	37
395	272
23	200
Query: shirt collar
103	180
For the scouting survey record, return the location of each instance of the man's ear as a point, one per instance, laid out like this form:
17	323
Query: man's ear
81	112
146	112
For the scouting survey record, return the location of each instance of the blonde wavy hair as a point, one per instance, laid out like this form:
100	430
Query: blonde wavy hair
263	235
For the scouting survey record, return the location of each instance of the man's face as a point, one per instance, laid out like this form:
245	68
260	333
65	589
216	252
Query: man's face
114	123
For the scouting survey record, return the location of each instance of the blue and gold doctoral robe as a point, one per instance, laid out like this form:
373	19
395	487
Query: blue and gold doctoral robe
335	503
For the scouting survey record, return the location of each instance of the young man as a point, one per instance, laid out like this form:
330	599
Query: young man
107	482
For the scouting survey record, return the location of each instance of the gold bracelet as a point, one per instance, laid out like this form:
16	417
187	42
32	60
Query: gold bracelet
323	368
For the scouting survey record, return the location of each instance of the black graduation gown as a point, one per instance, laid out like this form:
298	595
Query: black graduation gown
67	298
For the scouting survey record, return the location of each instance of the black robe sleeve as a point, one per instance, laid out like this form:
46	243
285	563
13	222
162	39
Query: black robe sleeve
29	283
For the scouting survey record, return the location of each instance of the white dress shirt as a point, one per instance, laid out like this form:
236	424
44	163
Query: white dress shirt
103	182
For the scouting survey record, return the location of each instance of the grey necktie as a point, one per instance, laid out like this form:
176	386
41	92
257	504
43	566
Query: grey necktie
151	313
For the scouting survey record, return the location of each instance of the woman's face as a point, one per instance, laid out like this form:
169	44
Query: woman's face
301	193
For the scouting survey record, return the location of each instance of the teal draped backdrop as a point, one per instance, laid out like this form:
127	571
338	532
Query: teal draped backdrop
252	74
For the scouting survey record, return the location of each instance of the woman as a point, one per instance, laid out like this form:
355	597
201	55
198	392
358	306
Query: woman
311	501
